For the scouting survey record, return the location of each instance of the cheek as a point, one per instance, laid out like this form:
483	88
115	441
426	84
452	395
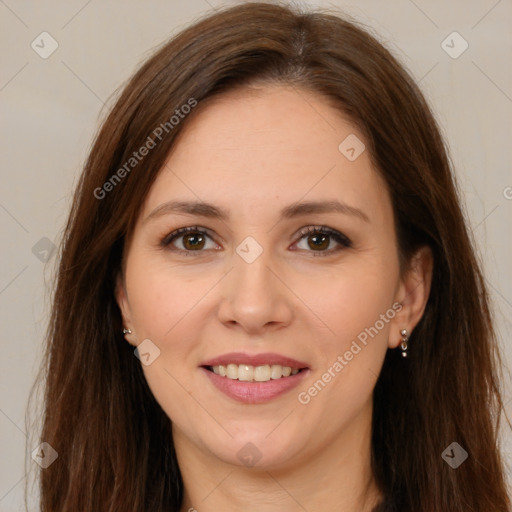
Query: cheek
161	297
353	300
357	308
164	305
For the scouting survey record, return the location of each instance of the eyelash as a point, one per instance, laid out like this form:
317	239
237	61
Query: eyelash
310	230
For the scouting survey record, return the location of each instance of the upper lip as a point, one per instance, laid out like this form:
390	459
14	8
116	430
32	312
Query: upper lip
254	360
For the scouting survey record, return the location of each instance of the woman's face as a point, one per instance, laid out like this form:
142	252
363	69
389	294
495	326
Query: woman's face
250	287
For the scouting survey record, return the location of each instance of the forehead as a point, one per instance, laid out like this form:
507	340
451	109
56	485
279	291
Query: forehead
258	146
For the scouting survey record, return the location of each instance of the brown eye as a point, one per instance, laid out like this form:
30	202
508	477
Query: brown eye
319	240
188	240
193	241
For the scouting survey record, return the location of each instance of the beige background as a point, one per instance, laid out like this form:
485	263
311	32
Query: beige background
50	110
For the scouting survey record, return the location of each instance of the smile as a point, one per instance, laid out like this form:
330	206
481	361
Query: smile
250	373
254	378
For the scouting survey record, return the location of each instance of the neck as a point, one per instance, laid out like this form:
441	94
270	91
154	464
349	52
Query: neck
338	477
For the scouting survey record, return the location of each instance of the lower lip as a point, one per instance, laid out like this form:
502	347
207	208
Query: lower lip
255	392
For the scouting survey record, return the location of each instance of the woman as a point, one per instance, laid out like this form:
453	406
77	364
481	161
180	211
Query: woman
267	295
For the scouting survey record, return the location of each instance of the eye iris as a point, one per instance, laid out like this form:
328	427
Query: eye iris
193	241
321	241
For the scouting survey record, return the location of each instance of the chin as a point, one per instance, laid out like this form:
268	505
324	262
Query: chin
257	450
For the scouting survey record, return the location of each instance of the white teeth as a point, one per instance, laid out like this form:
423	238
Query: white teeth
248	373
245	372
262	373
232	371
276	371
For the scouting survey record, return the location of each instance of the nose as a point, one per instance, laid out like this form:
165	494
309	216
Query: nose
255	297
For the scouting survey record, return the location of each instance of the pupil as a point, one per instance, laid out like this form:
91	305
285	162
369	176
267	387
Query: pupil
193	240
319	241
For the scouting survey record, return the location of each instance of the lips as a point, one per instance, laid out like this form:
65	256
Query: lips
252	391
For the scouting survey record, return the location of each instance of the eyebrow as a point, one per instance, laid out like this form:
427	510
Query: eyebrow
211	211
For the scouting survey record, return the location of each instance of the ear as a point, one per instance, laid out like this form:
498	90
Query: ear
412	293
124	306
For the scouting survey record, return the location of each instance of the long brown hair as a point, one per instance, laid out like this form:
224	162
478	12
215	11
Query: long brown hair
114	441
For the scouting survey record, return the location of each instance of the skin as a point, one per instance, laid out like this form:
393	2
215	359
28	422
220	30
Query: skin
269	147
